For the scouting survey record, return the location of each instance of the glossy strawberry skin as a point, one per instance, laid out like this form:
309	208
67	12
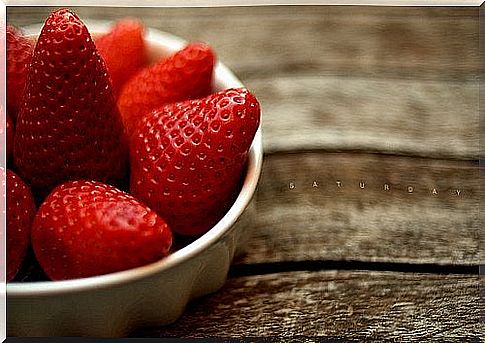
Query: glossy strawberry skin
188	158
123	50
69	126
87	228
20	215
10	136
184	75
19	54
7	132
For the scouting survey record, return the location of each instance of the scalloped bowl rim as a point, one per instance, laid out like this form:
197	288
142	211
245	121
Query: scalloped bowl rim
222	76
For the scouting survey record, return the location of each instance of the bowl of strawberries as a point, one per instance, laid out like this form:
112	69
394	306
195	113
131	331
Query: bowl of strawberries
132	160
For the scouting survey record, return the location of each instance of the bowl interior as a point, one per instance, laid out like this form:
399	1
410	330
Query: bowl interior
159	44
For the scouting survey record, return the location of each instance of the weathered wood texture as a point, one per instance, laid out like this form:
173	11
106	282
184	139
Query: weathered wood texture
409	117
335	303
376	41
370	224
392	80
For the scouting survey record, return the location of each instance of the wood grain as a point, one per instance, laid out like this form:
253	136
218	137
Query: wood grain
390	80
349	223
361	305
408	117
422	42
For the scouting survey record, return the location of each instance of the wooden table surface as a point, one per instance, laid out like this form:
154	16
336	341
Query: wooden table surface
356	97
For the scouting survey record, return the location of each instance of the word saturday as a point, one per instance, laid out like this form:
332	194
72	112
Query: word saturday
385	187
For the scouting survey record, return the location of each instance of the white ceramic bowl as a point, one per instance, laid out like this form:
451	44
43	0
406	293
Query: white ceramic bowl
115	304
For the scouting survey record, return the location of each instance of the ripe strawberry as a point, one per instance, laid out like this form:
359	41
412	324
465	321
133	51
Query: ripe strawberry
123	50
10	136
69	126
185	75
19	54
87	228
20	214
9	132
188	158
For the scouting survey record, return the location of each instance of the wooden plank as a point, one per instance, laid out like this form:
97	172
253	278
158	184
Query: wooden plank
370	224
408	42
348	304
410	117
349	78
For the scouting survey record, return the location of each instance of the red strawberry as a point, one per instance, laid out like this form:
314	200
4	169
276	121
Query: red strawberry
8	131
184	75
20	214
123	50
188	158
19	54
69	126
87	228
10	136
